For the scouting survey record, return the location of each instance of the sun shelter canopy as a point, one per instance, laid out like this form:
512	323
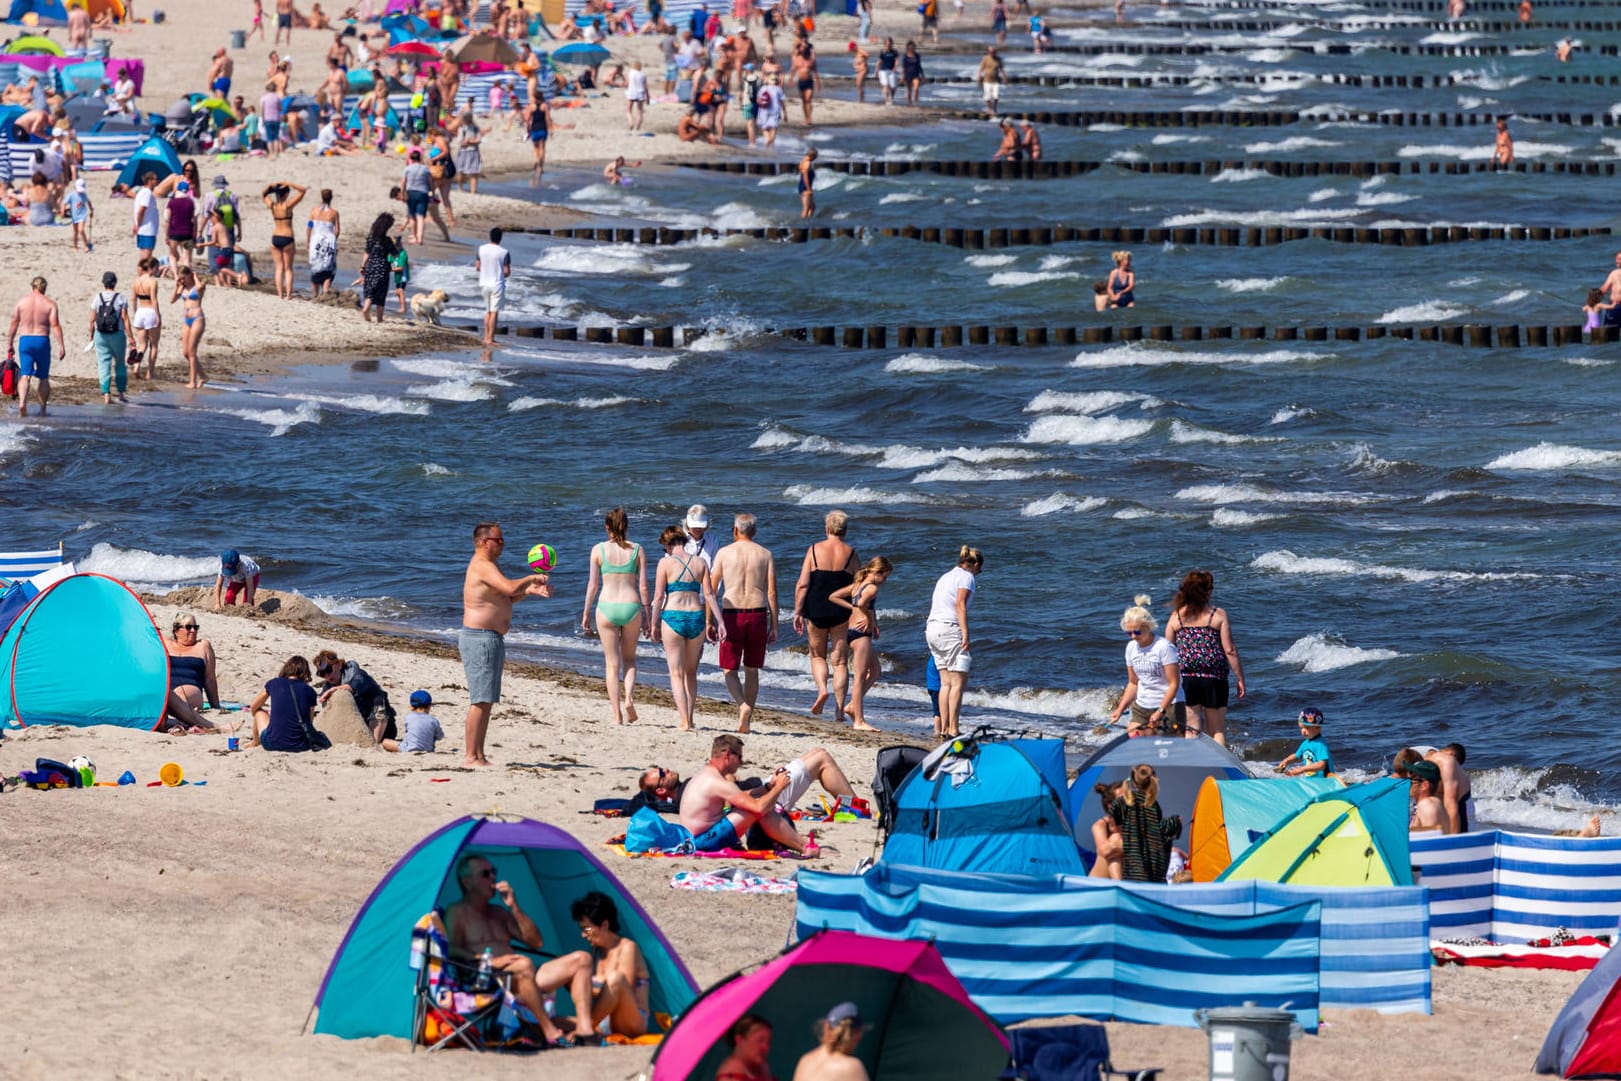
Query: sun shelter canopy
154	156
1355	836
919	1023
993	808
83	652
1231	815
1180	764
368	988
1585	1040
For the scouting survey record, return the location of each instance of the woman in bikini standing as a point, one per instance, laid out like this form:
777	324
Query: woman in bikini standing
187	287
829	566
859	597
618	570
146	320
681	594
281	232
1203	637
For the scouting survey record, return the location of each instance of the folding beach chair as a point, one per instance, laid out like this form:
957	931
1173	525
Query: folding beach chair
451	1009
1065	1053
18	565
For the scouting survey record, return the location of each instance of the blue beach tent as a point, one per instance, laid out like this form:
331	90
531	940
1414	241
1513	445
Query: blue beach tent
369	987
154	156
995	807
47	11
85	651
1181	765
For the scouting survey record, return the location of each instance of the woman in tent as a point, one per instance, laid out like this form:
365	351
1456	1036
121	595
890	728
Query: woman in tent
750	1041
1145	835
1203	637
840	1033
284	712
1106	833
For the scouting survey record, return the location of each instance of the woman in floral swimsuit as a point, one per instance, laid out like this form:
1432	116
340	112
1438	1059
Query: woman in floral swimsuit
1203	638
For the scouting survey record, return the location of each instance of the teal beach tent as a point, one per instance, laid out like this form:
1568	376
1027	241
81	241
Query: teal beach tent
369	986
85	651
154	156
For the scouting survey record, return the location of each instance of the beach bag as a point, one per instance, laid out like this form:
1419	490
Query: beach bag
648	832
9	374
107	321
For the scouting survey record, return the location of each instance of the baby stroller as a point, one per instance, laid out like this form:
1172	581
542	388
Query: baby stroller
185	130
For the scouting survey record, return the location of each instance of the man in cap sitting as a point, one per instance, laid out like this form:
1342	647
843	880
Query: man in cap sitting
1424	779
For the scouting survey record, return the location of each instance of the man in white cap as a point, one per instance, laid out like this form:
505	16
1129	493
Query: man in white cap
700	542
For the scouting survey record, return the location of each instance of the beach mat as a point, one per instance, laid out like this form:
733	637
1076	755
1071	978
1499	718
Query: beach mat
1575	955
340	719
719	854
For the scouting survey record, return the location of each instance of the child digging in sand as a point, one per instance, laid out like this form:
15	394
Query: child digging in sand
422	729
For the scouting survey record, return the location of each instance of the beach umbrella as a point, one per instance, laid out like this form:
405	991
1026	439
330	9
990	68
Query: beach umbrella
486	49
33	43
412	48
581	53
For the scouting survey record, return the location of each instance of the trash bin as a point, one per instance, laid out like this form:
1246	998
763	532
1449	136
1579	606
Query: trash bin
1249	1042
239	39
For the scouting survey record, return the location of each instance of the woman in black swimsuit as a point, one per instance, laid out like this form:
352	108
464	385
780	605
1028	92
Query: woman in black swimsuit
829	566
281	232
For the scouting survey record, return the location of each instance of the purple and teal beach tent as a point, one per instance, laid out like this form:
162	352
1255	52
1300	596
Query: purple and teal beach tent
369	986
84	651
920	1024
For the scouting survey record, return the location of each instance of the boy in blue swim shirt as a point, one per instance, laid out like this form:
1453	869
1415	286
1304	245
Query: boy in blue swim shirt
1312	756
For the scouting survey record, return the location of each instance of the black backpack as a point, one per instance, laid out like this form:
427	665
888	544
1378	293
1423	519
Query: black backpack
107	318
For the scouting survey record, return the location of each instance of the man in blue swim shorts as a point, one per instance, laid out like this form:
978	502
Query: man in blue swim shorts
32	321
719	814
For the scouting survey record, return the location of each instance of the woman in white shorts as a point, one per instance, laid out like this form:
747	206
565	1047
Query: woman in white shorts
948	637
145	319
636	96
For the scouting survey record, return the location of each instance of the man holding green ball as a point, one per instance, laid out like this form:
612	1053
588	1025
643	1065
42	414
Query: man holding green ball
487	599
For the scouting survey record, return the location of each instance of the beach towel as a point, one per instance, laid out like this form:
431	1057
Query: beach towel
1561	950
731	880
618	845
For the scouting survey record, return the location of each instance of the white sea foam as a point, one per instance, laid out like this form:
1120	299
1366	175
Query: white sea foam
1173	140
1523	148
1060	502
1521	797
1267	56
1449	37
991	260
967	473
1239	176
1323	653
1139	355
1228	518
904	197
1425	311
1219	494
1084	430
809	495
460	389
1552	456
1183	432
12	439
1087	704
1322	194
1512	297
434	469
1250	285
280	421
1260	218
1093	401
618	260
363	403
1128	514
925	364
432	367
1383	198
375	608
138	566
1016	278
1445	494
1283	561
1284	146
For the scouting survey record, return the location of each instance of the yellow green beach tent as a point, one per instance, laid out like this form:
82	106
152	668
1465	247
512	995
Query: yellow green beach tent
1355	836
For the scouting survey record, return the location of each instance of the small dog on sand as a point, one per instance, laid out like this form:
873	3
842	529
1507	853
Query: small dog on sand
429	306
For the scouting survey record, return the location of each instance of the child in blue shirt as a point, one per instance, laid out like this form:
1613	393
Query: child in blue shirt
1312	756
420	729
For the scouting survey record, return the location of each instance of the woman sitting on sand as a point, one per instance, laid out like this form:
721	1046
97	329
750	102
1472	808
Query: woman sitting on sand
191	677
288	723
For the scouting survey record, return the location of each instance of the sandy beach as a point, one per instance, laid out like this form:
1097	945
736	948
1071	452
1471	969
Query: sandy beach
206	915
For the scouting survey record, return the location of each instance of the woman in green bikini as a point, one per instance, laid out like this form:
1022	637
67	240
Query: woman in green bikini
618	570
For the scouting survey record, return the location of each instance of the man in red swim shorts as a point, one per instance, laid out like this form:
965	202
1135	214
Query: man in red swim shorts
746	579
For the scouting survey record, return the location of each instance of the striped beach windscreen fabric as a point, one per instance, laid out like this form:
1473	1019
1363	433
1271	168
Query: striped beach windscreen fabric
1513	887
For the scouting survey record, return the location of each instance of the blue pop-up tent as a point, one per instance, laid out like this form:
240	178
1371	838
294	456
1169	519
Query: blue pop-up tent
996	807
369	986
47	11
85	651
154	156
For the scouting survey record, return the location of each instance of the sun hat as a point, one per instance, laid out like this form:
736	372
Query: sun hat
220	183
698	516
1423	770
1312	717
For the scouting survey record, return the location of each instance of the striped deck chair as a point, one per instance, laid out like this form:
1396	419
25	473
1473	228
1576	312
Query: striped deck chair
18	565
450	1010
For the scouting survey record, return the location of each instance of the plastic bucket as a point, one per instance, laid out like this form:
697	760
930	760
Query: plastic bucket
1249	1042
171	774
239	39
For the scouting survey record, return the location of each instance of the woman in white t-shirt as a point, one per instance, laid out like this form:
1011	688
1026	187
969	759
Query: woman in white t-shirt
947	634
1153	676
635	96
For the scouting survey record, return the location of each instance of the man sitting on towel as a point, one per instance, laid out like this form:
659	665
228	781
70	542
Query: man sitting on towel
719	814
662	789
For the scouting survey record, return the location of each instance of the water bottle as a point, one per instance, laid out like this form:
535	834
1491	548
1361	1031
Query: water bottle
486	971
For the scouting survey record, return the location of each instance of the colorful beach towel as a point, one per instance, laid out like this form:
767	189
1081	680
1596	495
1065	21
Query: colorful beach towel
618	845
1561	950
731	880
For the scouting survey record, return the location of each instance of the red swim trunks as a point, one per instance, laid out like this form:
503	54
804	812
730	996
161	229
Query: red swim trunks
745	638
